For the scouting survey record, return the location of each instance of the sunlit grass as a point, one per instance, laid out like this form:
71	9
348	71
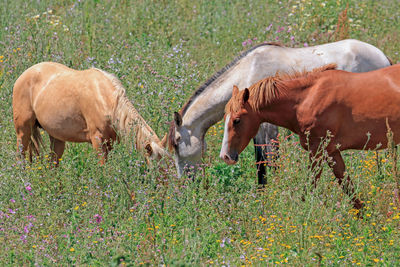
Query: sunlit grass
84	214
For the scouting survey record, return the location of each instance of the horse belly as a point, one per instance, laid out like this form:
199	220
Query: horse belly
63	124
365	135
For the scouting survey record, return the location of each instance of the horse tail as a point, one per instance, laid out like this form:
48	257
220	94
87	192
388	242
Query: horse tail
390	61
36	139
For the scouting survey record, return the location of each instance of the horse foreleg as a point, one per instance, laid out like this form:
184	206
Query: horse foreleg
260	164
316	165
97	143
265	149
106	147
338	167
57	148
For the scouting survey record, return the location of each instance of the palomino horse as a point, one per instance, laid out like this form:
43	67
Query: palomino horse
355	108
206	106
76	106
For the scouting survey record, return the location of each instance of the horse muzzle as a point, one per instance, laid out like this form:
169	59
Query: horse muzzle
230	159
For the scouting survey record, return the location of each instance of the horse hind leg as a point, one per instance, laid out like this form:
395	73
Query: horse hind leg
24	127
57	149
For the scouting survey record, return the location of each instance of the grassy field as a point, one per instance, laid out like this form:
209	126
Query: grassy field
83	214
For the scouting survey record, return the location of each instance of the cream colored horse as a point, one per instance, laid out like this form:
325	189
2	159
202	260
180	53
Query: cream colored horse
76	106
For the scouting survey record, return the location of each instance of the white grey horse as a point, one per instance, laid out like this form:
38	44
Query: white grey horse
206	106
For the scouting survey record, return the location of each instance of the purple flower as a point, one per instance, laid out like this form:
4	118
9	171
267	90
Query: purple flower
23	238
11	211
292	38
28	228
269	27
280	29
28	187
98	218
12	200
305	45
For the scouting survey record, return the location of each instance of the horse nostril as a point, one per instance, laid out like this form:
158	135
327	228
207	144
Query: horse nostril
236	157
226	157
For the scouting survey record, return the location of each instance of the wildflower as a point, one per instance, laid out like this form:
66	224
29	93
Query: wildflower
98	218
28	187
72	249
280	29
28	227
305	45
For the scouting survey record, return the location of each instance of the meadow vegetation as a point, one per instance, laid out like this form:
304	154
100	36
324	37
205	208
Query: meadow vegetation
126	213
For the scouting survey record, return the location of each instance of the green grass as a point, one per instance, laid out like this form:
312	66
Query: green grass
82	214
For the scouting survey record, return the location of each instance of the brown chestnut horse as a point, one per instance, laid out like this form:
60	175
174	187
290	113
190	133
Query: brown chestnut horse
354	107
76	106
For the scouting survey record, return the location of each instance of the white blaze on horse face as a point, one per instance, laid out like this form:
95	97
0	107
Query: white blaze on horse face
224	146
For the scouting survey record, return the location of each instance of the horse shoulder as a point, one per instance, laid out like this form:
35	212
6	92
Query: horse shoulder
316	99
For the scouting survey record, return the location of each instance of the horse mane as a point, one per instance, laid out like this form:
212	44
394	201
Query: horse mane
222	71
125	117
271	88
200	90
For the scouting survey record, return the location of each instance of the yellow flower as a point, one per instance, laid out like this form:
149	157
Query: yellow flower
72	249
376	260
77	207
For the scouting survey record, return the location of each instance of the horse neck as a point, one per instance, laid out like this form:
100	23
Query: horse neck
281	110
127	119
208	108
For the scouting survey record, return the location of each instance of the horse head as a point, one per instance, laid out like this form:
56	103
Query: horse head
241	125
187	144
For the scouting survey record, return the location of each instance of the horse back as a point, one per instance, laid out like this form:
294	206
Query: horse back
62	98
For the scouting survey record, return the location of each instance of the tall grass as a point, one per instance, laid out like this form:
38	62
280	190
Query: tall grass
83	214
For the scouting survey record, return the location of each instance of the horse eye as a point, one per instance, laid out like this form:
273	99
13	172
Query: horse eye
236	121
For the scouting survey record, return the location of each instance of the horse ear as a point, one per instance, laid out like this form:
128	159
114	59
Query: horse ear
177	119
149	149
235	90
164	141
245	96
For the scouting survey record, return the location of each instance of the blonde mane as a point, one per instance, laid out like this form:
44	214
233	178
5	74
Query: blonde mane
271	88
126	119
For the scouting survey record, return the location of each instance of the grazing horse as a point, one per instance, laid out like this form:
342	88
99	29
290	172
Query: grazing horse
206	106
356	110
76	106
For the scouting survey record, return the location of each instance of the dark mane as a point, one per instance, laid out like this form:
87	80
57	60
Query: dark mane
171	133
